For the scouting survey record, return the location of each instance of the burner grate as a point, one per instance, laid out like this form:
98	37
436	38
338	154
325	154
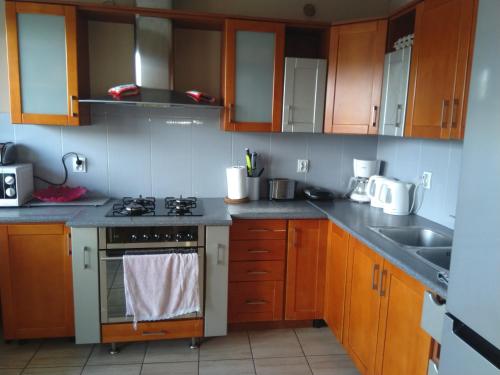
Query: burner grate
180	206
129	206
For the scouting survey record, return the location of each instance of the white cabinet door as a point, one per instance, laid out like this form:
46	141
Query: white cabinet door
304	95
395	92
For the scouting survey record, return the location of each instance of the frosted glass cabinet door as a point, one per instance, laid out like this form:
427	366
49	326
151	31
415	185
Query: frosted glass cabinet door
253	59
42	63
304	95
395	92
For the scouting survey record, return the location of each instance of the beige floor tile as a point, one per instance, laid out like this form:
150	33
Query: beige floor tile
233	346
229	367
129	353
170	351
319	341
61	353
112	370
53	371
282	366
275	343
10	371
181	368
17	355
332	365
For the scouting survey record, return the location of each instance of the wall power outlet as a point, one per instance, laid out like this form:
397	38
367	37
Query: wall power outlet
82	167
302	165
426	180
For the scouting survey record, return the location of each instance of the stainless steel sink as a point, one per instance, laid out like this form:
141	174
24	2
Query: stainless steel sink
436	257
414	236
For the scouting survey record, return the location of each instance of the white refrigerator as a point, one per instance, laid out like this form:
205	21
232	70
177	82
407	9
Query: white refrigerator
471	337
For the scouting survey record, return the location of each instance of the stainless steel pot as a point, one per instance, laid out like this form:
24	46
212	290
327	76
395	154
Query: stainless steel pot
281	188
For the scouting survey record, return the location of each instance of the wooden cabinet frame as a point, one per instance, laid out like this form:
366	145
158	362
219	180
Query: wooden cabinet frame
17	114
229	74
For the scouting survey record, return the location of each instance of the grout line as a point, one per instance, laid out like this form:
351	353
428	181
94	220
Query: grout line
107	154
251	352
33	356
88	358
302	349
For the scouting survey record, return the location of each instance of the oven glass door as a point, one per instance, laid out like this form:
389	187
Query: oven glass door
112	291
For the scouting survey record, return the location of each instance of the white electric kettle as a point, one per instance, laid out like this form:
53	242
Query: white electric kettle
373	188
395	195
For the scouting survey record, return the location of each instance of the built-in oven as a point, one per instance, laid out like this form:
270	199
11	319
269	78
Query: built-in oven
115	242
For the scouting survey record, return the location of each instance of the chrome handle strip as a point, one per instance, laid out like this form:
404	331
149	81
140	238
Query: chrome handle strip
374	114
375	271
444	113
383	276
256	302
86	250
399	112
258	251
257	272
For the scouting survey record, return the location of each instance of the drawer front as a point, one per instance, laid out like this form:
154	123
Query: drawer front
257	271
255	301
171	329
258	229
257	250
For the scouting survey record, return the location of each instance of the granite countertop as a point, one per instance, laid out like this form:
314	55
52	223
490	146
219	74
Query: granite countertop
215	213
356	218
265	209
43	214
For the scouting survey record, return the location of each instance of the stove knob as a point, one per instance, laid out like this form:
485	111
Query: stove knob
168	237
156	237
134	237
180	237
189	236
145	237
10	192
9	180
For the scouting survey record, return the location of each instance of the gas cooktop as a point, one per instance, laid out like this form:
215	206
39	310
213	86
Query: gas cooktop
149	206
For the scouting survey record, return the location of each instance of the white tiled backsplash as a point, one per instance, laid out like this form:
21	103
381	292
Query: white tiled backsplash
133	151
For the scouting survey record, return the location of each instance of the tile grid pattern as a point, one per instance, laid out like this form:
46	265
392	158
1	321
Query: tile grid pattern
308	351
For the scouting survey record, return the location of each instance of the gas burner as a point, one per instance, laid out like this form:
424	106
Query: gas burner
134	207
180	206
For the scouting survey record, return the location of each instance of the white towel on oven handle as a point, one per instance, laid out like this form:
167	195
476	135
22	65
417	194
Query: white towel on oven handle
161	286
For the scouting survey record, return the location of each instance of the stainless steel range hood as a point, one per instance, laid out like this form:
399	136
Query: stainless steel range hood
153	65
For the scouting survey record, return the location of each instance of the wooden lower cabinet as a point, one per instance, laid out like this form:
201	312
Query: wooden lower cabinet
36	281
383	305
403	347
362	305
305	269
148	331
336	278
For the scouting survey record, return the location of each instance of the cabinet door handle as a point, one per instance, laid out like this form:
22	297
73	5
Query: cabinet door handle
375	276
383	277
399	111
72	112
154	333
69	244
220	254
444	113
259	230
289	119
374	114
454	111
86	258
230	113
258	251
255	302
257	272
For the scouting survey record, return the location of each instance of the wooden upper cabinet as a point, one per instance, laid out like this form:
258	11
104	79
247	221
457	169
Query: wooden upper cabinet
336	275
42	62
440	69
253	75
36	281
305	277
363	305
403	347
355	71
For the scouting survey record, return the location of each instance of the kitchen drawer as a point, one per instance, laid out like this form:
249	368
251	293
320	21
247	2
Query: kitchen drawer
258	229
263	270
167	329
255	301
257	250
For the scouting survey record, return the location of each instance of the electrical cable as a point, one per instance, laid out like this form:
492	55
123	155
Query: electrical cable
63	160
415	191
